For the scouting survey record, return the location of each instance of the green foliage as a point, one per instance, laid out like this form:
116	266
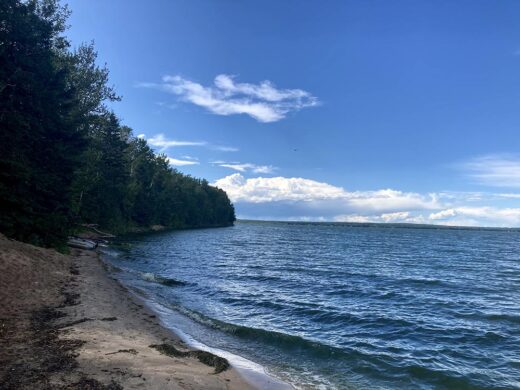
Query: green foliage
40	137
64	156
123	183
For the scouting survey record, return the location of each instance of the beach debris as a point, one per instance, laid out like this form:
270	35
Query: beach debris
81	243
108	319
92	384
219	363
130	351
169	350
211	360
72	323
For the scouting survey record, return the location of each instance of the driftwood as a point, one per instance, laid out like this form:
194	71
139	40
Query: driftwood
81	243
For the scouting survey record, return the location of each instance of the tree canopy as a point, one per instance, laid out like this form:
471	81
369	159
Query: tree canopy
65	158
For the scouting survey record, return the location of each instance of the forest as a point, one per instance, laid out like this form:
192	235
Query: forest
65	157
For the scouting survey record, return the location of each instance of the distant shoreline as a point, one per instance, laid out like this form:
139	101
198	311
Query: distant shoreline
384	225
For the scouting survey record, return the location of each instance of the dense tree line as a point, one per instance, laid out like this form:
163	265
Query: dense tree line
65	158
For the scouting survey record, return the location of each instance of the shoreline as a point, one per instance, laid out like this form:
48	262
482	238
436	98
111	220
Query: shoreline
253	373
66	323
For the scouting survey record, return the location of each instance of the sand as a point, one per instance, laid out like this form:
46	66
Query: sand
65	323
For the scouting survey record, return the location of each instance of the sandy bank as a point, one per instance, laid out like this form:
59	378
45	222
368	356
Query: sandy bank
64	323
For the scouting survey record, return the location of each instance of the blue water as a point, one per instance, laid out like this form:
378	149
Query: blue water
337	306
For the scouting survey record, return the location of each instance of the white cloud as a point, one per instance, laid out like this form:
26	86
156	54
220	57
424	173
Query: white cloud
186	157
478	216
276	189
497	170
397	217
264	91
389	199
509	196
225	148
163	143
263	101
245	167
181	163
460	216
293	198
444	214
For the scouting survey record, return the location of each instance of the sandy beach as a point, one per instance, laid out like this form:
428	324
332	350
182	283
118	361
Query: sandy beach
65	323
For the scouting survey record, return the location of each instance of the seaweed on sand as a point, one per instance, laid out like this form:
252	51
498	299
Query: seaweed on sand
220	364
42	353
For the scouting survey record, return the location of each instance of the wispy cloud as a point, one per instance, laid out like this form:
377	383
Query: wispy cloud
263	102
224	148
497	170
246	167
161	142
190	158
181	163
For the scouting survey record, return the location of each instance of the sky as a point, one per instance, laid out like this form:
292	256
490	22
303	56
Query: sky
361	111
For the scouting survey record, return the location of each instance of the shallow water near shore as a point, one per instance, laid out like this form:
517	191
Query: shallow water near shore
338	306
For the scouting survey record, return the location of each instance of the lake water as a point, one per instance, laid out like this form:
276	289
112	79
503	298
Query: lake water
339	306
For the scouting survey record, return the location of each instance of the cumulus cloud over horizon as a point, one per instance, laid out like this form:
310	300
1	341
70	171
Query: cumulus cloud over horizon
262	189
292	198
263	101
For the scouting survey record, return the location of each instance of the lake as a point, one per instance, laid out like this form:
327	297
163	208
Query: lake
342	306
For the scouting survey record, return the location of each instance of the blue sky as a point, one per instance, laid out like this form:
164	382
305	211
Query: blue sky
402	111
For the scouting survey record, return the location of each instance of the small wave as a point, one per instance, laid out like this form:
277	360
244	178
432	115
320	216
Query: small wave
150	277
443	378
110	252
425	281
499	317
494	336
503	317
262	278
270	337
112	268
358	358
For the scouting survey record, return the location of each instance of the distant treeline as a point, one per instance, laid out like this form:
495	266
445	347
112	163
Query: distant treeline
65	158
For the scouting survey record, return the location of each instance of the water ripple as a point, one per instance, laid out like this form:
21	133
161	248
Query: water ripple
343	306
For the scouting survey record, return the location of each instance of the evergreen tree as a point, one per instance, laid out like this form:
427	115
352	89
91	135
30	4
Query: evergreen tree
39	137
64	157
